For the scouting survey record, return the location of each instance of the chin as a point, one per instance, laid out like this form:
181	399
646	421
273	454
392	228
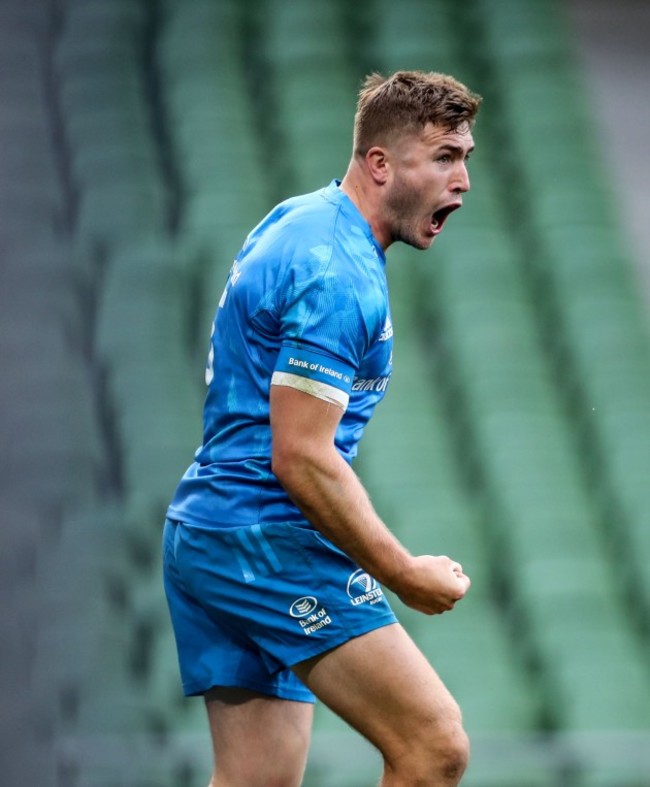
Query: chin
422	243
411	236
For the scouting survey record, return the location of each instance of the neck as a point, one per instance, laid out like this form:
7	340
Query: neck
359	189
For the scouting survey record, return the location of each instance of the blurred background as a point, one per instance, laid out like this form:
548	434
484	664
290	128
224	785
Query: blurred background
140	140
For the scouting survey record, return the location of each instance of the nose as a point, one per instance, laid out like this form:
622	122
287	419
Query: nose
460	181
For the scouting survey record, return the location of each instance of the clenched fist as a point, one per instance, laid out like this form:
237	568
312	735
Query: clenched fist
432	584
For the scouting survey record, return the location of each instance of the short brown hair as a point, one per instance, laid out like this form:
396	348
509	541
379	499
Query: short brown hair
405	102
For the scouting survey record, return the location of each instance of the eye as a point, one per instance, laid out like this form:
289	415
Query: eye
445	158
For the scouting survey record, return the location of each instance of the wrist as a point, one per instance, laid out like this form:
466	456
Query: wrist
395	570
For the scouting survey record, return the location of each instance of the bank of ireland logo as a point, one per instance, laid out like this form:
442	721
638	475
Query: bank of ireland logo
302	607
363	588
387	332
311	616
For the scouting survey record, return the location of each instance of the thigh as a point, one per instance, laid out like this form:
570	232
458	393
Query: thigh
258	740
384	687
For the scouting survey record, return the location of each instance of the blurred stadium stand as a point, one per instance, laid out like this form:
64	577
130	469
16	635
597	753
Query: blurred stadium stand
139	141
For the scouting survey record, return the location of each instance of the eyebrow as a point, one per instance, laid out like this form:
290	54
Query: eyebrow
456	148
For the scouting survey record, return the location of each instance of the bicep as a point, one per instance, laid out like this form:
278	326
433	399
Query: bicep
302	425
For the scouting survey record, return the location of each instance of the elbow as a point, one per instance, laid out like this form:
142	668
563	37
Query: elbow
285	462
280	465
295	466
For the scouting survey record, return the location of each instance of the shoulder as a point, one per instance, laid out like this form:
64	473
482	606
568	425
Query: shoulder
312	255
298	219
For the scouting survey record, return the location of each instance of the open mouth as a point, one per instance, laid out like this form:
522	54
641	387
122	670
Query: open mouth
439	217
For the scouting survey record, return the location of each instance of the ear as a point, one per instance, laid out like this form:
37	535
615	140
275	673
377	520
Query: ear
377	163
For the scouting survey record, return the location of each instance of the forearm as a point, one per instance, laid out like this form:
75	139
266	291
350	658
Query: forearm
333	499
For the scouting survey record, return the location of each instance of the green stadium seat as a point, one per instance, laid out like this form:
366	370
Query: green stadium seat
213	30
162	318
581	259
75	56
597	697
213	132
570	206
101	91
102	21
580	625
339	757
412	35
221	221
302	48
127	211
575	586
515	31
471	650
295	32
112	132
115	164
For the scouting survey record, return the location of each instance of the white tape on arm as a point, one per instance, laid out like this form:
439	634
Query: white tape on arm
320	390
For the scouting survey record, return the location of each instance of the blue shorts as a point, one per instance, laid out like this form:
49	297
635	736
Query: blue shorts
247	603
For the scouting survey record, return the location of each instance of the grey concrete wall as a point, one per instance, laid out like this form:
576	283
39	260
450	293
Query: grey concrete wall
613	38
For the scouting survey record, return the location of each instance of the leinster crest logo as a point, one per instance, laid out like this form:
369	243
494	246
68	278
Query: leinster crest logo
363	588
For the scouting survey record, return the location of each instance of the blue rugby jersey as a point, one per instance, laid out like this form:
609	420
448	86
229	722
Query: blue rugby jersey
305	305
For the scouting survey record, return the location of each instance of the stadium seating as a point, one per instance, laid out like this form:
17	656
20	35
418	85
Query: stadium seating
212	124
577	260
144	344
31	196
139	142
108	121
316	143
412	35
407	459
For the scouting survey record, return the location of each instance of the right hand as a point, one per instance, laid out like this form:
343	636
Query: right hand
433	584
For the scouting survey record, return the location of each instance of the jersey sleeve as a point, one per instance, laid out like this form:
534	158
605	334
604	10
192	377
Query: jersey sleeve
327	322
